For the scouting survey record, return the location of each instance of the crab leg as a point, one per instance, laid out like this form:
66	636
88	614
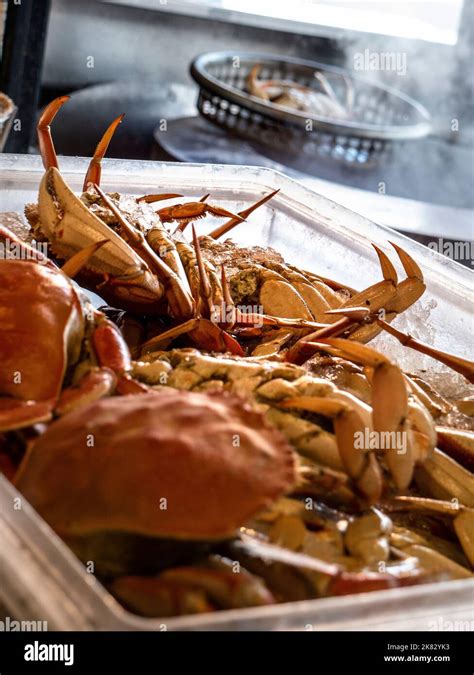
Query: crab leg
463	517
46	145
228	302
392	411
324	579
193	210
442	477
113	373
200	329
112	353
377	297
350	94
464	527
94	171
460	365
206	334
26	251
242	215
350	421
205	295
96	384
150	199
405	293
253	84
307	346
74	265
181	304
372	299
17	414
183	225
387	295
411	288
165	247
210	336
330	283
458	444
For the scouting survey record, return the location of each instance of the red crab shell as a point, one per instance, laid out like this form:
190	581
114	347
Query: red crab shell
41	328
210	460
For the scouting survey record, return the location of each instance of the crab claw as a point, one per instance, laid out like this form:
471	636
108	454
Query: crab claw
411	288
43	128
94	171
378	295
388	296
390	406
350	422
307	346
389	391
96	384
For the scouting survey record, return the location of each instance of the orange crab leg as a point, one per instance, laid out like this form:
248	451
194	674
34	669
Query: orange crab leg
193	210
361	466
111	375
94	171
378	295
17	414
411	288
387	295
242	215
460	365
74	265
206	334
46	145
182	226
204	285
307	346
150	199
112	353
96	384
387	381
389	402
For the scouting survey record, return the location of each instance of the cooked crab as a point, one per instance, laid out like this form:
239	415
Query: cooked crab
57	351
288	94
352	450
166	480
142	266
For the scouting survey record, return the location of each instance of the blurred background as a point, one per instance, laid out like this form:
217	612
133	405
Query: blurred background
134	56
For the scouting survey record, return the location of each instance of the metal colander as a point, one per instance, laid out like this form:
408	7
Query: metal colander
379	114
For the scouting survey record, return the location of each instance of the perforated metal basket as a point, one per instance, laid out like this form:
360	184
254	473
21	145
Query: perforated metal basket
379	114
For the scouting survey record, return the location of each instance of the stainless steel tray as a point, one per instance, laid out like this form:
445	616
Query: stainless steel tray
40	579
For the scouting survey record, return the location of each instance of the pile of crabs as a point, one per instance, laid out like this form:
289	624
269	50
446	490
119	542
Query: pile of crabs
206	457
